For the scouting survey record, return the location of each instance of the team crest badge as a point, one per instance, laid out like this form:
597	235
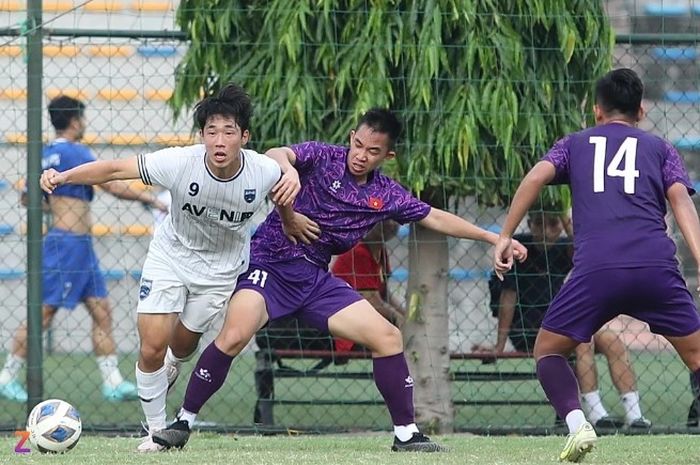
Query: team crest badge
376	203
249	195
145	290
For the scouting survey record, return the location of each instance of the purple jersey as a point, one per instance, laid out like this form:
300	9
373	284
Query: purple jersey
344	210
619	176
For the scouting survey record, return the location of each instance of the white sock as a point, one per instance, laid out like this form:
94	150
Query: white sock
171	359
152	390
630	400
109	367
10	372
592	406
574	420
405	432
189	417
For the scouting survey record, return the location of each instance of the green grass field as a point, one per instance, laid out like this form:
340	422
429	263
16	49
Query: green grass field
662	379
364	449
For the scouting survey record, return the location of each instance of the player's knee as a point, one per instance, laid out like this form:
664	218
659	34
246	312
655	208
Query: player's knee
153	354
231	340
388	341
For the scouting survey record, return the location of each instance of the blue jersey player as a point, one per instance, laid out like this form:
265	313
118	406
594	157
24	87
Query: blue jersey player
624	261
71	271
342	197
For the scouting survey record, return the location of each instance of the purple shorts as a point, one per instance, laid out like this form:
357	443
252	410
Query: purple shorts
299	288
656	296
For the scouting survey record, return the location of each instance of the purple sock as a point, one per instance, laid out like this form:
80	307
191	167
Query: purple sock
559	384
207	377
396	386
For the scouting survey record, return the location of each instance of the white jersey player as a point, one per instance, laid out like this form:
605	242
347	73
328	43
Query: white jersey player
203	244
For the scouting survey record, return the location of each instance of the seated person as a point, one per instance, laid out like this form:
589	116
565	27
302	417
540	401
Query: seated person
366	268
522	299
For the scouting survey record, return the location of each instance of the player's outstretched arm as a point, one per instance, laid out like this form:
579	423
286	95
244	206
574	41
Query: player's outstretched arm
539	176
452	225
122	190
687	218
282	155
96	172
287	188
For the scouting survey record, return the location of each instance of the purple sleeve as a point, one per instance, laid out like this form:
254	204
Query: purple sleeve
674	171
558	156
408	209
308	154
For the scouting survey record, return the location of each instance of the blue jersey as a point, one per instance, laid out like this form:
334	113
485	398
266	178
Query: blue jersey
63	155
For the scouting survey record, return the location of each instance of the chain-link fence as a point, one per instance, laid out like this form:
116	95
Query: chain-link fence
125	83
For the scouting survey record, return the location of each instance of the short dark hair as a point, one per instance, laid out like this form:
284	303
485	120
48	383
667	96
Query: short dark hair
620	91
63	109
231	101
383	121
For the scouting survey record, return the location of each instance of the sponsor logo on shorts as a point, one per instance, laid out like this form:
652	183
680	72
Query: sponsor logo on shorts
409	381
249	195
145	290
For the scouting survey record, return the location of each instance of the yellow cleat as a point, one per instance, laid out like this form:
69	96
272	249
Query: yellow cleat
578	444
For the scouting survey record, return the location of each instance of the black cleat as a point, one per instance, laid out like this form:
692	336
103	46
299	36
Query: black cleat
640	423
176	435
418	443
609	422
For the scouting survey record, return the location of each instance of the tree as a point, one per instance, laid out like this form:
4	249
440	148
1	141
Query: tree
484	87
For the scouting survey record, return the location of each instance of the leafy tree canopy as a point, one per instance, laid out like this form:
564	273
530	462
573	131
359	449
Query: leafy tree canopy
483	86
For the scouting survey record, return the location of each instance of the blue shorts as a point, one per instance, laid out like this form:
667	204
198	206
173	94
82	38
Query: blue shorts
656	296
299	288
71	271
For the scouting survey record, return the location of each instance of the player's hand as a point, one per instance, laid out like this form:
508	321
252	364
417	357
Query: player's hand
287	188
697	289
519	251
50	180
503	256
301	228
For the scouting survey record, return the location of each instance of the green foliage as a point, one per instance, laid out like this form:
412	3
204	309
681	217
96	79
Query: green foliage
484	87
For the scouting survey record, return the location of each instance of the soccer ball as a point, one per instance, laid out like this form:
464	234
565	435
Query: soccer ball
54	426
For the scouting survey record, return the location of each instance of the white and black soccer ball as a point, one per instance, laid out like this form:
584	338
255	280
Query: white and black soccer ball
54	426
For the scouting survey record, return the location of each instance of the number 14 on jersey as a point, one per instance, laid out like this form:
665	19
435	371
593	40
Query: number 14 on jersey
627	153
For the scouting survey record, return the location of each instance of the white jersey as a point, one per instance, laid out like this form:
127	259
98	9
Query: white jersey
207	232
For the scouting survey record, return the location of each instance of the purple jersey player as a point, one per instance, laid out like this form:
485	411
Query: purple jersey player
343	196
624	262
